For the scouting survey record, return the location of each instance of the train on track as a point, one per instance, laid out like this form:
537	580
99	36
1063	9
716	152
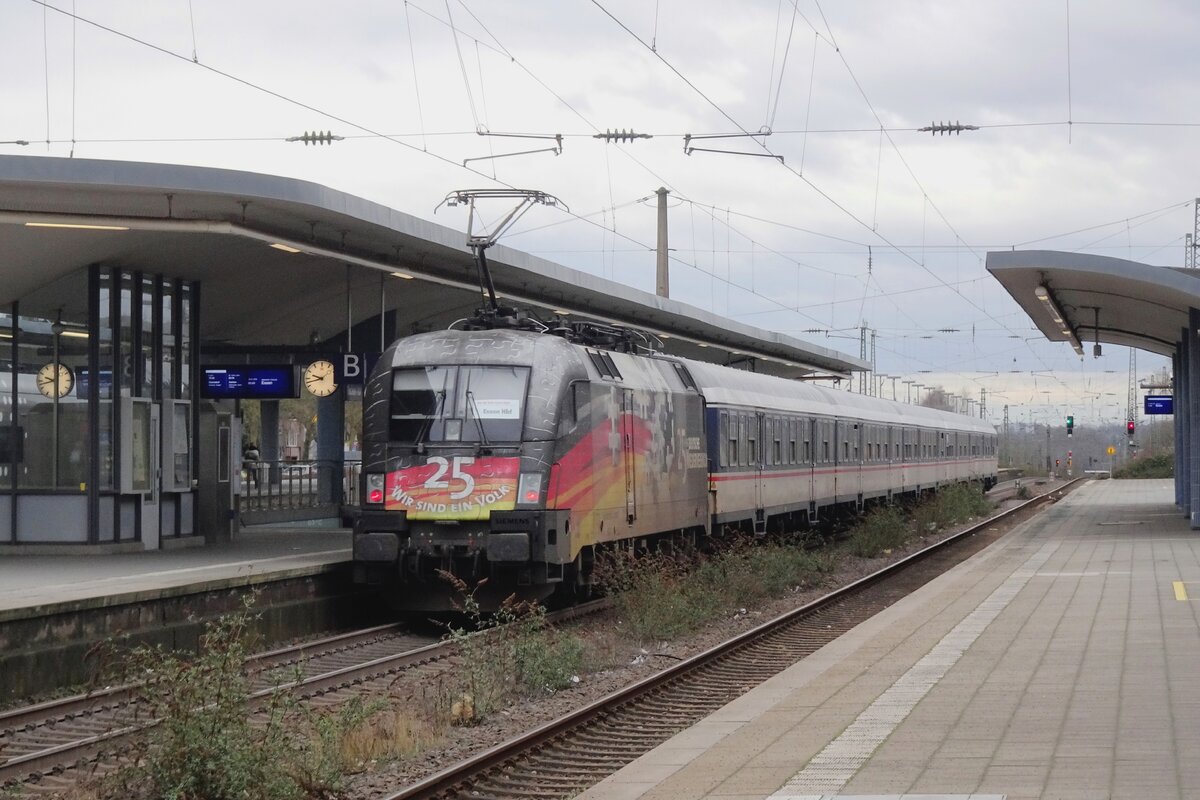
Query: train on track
517	455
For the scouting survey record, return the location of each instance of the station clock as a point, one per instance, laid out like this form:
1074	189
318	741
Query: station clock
320	378
55	380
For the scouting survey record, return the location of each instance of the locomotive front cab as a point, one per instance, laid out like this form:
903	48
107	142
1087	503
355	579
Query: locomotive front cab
458	431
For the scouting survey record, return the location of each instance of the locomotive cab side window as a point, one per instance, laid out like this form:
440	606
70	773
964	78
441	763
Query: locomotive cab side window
580	401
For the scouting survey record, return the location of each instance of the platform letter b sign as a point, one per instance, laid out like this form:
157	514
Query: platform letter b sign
352	368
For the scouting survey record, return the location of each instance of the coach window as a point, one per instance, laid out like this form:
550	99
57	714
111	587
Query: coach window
778	442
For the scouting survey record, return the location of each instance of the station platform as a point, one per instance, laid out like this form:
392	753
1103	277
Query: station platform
33	585
1060	662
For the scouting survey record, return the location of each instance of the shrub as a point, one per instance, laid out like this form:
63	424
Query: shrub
512	652
960	502
206	743
1158	466
881	529
657	596
321	758
950	505
662	597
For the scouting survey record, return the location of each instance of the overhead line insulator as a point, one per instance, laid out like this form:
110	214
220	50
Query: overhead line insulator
315	137
622	136
947	127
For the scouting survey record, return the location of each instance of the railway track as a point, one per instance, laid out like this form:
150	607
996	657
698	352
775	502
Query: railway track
578	750
46	737
46	746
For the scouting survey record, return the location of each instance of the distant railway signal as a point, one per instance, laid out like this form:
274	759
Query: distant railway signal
1129	428
1070	424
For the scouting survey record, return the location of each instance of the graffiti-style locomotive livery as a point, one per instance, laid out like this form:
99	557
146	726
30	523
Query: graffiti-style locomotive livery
513	455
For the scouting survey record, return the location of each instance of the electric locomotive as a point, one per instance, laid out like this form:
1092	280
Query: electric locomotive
512	455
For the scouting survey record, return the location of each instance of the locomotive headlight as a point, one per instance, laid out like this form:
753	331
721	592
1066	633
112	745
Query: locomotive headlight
529	488
375	488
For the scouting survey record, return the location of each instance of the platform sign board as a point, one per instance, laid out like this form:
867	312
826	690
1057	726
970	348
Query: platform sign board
249	382
1158	404
354	368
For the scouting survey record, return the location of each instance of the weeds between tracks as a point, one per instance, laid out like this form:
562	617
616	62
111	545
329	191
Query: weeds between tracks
665	596
211	741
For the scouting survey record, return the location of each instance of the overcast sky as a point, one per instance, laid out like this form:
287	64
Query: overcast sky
858	225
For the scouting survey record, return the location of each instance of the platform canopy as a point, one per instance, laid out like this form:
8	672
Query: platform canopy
286	262
1080	298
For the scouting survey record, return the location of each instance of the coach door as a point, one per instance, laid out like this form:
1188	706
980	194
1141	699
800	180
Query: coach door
757	443
629	455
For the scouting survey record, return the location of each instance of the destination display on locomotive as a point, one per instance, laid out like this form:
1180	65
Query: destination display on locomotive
248	382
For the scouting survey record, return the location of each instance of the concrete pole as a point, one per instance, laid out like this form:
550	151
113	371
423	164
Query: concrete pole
662	284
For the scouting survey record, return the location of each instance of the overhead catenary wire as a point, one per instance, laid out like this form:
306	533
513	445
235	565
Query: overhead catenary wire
462	66
591	124
412	55
825	195
192	21
821	192
782	67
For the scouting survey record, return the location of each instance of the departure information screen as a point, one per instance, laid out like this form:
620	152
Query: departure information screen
1159	404
249	382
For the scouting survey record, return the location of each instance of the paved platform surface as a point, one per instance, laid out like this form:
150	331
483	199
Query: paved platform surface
1061	662
39	581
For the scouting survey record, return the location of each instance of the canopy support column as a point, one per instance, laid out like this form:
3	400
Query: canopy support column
1191	411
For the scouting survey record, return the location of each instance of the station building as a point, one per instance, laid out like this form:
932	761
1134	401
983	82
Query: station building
137	299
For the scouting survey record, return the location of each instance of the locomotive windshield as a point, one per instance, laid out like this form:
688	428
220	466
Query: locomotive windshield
458	404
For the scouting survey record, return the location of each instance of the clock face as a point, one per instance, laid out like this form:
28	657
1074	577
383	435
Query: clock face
55	380
319	378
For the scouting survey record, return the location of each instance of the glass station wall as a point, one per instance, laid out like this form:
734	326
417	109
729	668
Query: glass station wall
77	357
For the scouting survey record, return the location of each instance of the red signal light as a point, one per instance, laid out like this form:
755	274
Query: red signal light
1129	427
376	496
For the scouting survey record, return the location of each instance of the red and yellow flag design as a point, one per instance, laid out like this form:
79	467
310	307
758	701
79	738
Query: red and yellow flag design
454	487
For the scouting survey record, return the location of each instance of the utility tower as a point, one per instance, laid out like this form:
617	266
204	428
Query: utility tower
1005	457
862	353
1192	240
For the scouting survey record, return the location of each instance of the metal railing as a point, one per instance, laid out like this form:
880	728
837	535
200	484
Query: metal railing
277	485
